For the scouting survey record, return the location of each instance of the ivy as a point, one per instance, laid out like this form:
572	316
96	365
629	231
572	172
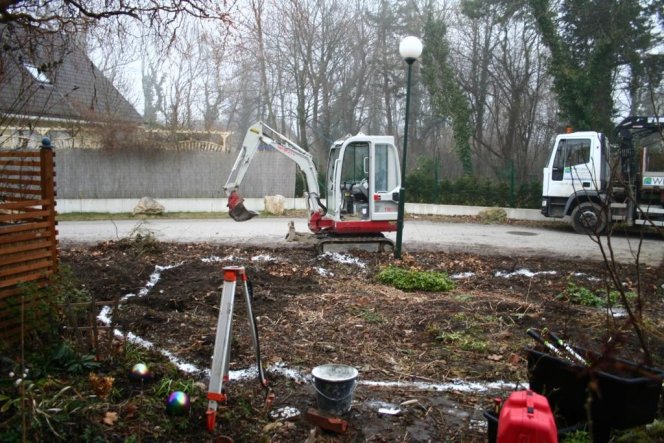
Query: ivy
447	97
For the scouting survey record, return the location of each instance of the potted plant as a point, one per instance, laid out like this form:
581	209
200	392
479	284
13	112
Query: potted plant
608	393
598	387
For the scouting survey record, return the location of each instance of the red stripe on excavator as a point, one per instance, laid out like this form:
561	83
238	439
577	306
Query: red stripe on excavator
364	227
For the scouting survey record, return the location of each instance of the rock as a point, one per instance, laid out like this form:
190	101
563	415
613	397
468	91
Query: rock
275	204
295	236
148	205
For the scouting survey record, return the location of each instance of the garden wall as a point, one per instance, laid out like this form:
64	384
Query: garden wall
135	173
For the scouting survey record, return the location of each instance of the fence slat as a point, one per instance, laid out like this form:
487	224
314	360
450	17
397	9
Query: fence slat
24	278
18	191
23	164
25	268
26	246
19	258
23	216
22	227
26	154
36	234
22	204
11	172
19	182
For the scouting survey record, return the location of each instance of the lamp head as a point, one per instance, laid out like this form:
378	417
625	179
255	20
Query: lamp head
410	48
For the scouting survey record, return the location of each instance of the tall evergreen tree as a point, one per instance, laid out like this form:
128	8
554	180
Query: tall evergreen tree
591	41
447	98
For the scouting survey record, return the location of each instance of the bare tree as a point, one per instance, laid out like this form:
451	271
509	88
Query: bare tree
74	15
502	68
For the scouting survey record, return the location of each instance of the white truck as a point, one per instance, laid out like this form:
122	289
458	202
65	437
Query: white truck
596	185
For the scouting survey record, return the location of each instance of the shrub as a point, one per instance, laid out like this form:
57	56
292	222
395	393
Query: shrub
412	280
583	296
493	215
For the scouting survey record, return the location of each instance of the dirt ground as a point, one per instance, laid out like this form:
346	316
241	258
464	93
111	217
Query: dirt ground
425	360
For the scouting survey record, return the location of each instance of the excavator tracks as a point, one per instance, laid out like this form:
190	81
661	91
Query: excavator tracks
373	243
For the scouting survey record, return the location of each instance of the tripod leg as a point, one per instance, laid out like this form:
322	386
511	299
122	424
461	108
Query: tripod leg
222	347
254	333
269	397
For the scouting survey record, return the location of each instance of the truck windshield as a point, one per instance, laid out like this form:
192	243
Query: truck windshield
570	152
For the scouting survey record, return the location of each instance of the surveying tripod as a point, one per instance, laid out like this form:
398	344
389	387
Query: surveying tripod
222	344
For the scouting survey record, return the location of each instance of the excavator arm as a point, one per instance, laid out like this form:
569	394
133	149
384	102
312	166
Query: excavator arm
260	135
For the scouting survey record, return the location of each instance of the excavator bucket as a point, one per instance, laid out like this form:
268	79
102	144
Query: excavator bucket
236	208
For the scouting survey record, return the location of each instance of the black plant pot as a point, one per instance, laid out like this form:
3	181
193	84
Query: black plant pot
622	394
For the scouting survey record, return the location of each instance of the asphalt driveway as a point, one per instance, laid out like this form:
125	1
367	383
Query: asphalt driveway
418	234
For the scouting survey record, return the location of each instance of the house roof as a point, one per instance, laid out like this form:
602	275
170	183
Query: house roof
49	76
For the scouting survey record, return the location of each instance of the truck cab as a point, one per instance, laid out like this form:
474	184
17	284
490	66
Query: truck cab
593	186
576	178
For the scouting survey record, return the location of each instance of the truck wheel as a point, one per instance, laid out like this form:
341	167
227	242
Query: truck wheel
589	218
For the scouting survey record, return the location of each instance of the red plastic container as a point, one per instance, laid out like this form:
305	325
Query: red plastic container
526	418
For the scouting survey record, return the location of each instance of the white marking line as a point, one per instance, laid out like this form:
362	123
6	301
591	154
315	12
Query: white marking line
523	272
215	259
154	279
345	259
280	368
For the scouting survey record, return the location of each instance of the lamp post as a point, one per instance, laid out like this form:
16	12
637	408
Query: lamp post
410	49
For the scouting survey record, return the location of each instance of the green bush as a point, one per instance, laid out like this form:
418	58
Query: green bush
493	215
422	186
411	280
583	296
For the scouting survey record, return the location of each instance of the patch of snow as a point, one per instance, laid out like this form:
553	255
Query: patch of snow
523	272
460	275
324	272
263	257
618	312
457	386
384	408
215	259
588	277
293	374
345	259
284	413
244	374
105	315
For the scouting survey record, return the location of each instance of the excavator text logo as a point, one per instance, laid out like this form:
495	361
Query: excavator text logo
265	147
285	149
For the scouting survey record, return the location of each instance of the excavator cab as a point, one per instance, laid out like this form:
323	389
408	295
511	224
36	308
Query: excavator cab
363	179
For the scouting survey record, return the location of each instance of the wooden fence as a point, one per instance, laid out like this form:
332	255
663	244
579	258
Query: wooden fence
28	238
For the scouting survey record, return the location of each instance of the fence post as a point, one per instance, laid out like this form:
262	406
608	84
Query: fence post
46	155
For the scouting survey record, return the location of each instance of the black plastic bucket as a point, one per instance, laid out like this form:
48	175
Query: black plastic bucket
334	386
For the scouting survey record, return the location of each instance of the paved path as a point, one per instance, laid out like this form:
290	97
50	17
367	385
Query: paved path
468	237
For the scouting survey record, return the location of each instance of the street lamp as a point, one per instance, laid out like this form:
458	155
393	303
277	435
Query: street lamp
410	49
